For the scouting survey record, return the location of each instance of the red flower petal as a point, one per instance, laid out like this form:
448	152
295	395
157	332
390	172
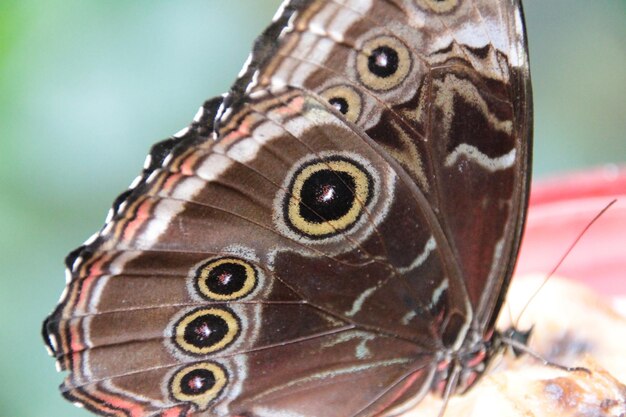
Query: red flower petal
559	210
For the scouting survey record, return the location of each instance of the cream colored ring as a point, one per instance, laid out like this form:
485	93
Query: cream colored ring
362	193
351	97
374	81
231	322
203	275
201	400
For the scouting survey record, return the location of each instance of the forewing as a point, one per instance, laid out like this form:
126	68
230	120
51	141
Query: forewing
444	88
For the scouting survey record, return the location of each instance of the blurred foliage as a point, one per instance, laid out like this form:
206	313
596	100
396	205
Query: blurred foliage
87	86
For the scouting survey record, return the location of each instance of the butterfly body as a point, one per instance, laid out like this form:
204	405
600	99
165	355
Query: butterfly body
333	237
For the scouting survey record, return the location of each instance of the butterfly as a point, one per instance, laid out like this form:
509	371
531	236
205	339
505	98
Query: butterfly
333	237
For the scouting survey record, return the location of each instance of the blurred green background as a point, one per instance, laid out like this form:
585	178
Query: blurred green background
87	86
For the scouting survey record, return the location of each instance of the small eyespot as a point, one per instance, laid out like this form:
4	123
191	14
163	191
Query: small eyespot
226	279
327	197
438	6
383	63
206	330
200	383
346	100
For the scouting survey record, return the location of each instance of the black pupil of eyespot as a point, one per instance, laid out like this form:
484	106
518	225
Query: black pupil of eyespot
326	195
383	61
226	278
340	103
206	330
197	382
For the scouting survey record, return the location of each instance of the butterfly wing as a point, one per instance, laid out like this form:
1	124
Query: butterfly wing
209	291
309	261
444	88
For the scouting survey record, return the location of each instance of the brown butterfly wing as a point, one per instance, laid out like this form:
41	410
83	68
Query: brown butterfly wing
444	88
326	314
343	315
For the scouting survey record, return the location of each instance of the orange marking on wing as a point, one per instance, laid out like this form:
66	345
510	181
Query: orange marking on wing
77	363
294	106
75	331
95	271
232	137
141	215
171	182
81	306
135	409
93	402
244	127
242	131
177	411
188	164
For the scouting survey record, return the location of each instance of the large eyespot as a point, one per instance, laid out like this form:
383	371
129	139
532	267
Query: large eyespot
346	100
226	279
438	6
206	330
383	63
199	383
327	197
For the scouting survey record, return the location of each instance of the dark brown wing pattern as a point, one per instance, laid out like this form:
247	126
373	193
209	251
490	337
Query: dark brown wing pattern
331	238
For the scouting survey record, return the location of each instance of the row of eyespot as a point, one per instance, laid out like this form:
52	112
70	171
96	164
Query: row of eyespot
384	62
345	187
207	330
